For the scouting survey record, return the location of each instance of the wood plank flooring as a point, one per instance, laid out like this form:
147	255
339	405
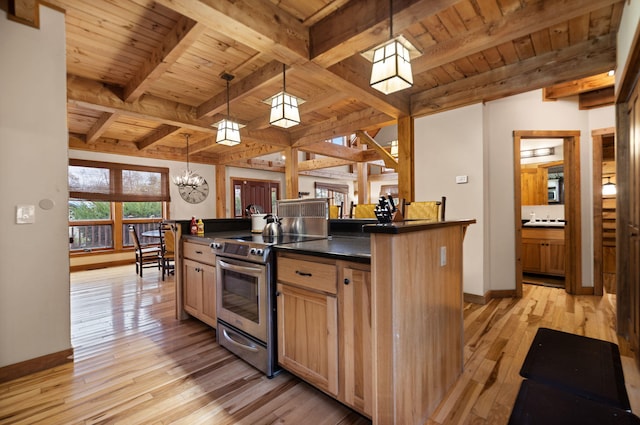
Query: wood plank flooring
135	364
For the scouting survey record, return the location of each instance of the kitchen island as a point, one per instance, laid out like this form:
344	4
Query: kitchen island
374	319
387	338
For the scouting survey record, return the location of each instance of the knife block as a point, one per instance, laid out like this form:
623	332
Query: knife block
397	216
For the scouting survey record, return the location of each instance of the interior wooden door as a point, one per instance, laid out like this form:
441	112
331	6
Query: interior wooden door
254	192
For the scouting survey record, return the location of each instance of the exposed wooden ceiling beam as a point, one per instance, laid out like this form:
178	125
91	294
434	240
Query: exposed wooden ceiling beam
175	43
334	151
94	95
260	164
352	76
572	88
363	24
254	23
590	57
122	147
389	161
258	25
240	89
157	135
100	126
320	163
330	174
597	98
243	154
532	17
316	103
342	126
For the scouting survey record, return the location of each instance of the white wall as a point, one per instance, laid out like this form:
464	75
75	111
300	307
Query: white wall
447	145
477	141
34	265
527	112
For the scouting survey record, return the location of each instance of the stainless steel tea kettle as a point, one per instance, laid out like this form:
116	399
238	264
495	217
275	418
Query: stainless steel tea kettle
272	229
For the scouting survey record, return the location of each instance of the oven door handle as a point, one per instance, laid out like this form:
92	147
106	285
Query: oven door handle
228	337
240	269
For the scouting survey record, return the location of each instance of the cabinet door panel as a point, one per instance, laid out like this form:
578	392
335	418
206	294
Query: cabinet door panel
308	336
356	334
556	258
531	256
208	314
192	287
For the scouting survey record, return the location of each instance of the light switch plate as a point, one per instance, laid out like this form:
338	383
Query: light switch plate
25	214
462	179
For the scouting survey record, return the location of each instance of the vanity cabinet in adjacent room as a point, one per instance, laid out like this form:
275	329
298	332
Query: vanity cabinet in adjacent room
543	250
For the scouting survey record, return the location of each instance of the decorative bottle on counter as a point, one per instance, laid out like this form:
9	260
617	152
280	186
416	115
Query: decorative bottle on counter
200	227
194	226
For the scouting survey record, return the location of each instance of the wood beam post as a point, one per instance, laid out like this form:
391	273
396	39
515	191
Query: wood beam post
291	172
363	183
406	165
221	191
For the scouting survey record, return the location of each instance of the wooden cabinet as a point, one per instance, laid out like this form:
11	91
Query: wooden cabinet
324	326
533	185
308	320
199	282
356	350
543	251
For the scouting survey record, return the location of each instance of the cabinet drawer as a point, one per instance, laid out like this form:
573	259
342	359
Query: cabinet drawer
308	273
198	252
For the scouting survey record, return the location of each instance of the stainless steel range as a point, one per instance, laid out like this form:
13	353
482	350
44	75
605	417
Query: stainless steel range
245	267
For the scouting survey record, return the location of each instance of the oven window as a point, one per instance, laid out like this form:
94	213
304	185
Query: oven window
240	294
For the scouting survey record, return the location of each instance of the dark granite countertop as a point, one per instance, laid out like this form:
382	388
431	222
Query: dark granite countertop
349	248
413	226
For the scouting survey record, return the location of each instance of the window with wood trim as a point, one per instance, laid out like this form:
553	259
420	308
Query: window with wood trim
105	198
337	193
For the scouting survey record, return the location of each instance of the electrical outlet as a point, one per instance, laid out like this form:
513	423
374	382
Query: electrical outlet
462	179
443	256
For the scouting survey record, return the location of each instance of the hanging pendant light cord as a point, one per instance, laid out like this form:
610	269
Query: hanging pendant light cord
228	114
390	19
187	136
284	80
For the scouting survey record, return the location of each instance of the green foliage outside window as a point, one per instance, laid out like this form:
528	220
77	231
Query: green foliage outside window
89	210
142	209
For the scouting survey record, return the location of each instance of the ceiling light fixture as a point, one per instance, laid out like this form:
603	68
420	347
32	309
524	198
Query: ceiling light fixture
284	107
609	188
188	177
537	152
228	131
391	69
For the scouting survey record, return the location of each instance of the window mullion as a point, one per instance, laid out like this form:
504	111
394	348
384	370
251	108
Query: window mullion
118	237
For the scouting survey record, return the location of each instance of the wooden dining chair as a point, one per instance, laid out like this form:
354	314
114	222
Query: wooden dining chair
362	210
168	245
146	256
335	211
424	210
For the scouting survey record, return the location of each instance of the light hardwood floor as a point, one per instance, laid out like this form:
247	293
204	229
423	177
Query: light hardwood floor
135	364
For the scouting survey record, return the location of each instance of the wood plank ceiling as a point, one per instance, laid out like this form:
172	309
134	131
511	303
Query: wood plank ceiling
142	73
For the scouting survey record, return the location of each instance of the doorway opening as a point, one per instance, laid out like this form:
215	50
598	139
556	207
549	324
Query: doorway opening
548	245
604	211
